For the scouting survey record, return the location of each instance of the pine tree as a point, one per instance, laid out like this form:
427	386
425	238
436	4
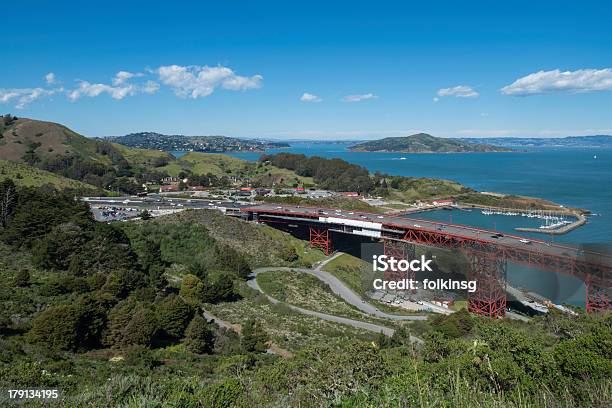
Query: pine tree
254	337
199	338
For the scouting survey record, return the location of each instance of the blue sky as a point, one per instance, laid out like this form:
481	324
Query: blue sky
311	69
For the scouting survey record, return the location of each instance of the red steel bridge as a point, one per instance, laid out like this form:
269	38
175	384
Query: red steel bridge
487	251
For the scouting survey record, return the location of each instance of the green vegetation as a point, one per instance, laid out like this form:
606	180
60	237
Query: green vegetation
509	201
112	316
281	249
339	175
354	272
29	176
424	143
310	293
97	162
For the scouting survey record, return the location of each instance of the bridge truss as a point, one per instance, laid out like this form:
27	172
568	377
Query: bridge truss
487	260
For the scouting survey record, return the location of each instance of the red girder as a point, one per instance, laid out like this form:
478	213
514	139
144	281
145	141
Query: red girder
598	299
319	238
489	272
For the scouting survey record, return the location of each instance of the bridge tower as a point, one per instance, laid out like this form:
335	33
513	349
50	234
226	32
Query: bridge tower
399	250
598	298
489	271
320	238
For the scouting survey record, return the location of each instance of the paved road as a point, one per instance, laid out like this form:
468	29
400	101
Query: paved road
341	290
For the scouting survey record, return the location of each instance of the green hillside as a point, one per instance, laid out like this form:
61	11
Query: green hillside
28	176
424	143
54	148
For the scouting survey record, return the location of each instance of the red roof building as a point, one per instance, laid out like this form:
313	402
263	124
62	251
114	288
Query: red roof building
168	188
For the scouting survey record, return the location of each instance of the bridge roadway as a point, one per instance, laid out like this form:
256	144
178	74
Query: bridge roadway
516	248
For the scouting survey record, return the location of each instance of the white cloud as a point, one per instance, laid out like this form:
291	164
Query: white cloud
435	99
546	82
459	91
24	96
359	98
150	87
119	89
192	81
308	97
122	76
92	90
195	81
50	78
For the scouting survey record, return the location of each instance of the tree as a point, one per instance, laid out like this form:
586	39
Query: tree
199	338
192	289
121	282
218	289
173	315
56	328
150	259
56	249
5	320
141	328
8	200
131	322
254	337
145	215
22	278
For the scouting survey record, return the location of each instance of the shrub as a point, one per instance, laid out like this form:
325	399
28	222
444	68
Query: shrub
173	315
199	337
254	337
56	327
192	289
131	322
22	278
139	356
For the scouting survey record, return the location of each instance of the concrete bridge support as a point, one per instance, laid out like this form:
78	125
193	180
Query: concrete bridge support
489	272
320	238
399	250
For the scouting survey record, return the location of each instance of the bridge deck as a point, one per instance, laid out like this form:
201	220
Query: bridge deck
439	228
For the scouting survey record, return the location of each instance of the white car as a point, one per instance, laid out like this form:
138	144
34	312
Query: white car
417	226
525	241
380	216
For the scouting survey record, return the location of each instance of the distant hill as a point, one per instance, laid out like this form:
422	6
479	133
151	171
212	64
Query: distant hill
569	141
424	143
218	144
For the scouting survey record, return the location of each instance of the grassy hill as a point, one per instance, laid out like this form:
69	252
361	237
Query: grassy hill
424	143
55	148
28	176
